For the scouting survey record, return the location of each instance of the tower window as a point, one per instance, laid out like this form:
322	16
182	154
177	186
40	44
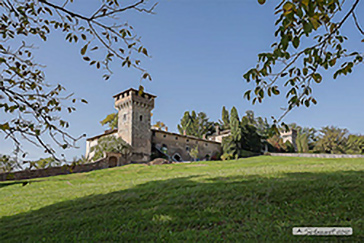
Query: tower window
164	136
141	118
124	117
176	138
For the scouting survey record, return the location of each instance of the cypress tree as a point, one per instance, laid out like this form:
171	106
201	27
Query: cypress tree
225	118
235	125
185	123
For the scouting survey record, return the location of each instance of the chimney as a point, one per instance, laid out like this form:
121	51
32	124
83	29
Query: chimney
204	136
217	128
166	129
184	132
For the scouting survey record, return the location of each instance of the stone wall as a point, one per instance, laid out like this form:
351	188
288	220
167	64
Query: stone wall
181	145
318	155
60	170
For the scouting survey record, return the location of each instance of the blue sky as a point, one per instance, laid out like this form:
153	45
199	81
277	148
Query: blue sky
199	49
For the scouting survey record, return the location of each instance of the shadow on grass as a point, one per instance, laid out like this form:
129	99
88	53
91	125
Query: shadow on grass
20	182
195	209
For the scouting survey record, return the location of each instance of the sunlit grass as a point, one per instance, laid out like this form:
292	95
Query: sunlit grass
258	199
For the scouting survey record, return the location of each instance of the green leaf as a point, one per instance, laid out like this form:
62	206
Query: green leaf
247	95
284	42
145	52
305	2
86	59
332	62
296	42
84	49
84	101
287	7
315	23
261	2
317	77
4	126
307	28
147	75
307	103
305	71
141	90
275	90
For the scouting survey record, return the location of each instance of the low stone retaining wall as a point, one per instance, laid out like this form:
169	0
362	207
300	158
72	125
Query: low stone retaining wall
53	171
333	156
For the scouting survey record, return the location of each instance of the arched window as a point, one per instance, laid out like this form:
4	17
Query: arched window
140	118
177	157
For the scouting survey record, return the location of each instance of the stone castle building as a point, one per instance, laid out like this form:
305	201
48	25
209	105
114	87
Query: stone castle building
134	127
147	142
290	136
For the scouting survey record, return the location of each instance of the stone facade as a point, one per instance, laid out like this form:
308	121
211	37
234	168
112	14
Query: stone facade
134	115
179	146
134	127
290	136
219	135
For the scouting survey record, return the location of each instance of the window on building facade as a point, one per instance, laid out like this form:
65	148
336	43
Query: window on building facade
141	118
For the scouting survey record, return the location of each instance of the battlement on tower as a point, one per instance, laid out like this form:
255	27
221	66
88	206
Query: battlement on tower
132	97
134	121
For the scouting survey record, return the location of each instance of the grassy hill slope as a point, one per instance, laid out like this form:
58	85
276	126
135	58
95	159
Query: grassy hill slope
258	198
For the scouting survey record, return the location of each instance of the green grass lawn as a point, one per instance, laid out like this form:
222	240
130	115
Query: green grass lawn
255	199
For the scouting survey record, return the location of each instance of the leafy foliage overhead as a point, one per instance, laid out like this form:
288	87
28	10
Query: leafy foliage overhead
309	41
31	105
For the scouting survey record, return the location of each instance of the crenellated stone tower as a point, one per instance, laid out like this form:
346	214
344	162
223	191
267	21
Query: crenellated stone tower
134	115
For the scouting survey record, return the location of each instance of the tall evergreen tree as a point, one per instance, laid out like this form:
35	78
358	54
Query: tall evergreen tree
225	118
235	125
249	118
302	142
196	125
251	140
205	127
185	124
332	140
